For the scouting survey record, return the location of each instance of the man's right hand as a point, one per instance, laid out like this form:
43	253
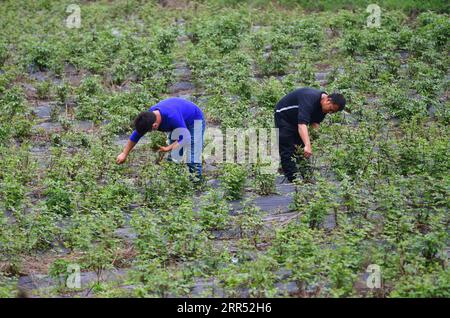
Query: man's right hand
121	158
307	151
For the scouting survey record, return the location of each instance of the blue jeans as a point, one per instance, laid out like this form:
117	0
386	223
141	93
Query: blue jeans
195	148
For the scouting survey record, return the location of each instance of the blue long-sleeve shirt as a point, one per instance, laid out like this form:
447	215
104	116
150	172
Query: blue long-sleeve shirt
175	113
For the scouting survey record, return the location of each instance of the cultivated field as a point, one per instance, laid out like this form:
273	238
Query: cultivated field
370	218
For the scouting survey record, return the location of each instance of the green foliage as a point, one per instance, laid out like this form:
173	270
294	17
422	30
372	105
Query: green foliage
214	211
297	246
274	63
100	258
17	171
316	200
90	100
249	222
160	281
7	287
269	93
225	31
168	182
121	108
258	277
400	105
157	139
59	271
44	89
166	39
427	286
41	55
232	178
12	192
231	113
62	92
264	183
13	108
58	197
303	76
423	152
354	159
368	40
3	53
434	27
172	234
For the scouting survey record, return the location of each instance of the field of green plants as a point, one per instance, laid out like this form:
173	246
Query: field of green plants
376	194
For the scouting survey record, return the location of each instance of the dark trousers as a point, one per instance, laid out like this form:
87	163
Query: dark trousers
288	142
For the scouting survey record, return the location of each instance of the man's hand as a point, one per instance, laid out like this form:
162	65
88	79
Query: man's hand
307	152
170	147
164	149
304	135
121	158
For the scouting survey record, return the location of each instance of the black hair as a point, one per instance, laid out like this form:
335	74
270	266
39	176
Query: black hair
144	122
339	100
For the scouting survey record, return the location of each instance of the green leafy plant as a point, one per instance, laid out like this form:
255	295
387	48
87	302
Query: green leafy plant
316	200
249	222
264	183
3	53
59	197
44	89
157	139
214	211
58	270
233	179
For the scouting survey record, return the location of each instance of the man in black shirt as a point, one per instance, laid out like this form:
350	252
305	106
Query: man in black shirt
302	107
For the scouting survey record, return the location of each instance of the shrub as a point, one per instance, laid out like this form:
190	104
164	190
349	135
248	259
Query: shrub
275	62
230	112
7	287
317	201
59	197
3	53
269	93
257	276
12	191
225	31
91	102
62	92
158	280
59	271
165	183
214	211
232	180
428	285
165	39
264	183
249	222
44	89
157	139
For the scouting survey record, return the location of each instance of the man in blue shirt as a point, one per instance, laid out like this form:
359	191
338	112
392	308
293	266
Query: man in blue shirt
183	120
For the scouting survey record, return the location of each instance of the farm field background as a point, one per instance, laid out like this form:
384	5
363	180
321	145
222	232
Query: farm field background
377	192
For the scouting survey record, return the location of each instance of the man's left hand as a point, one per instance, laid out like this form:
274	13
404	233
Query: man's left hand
164	149
307	151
